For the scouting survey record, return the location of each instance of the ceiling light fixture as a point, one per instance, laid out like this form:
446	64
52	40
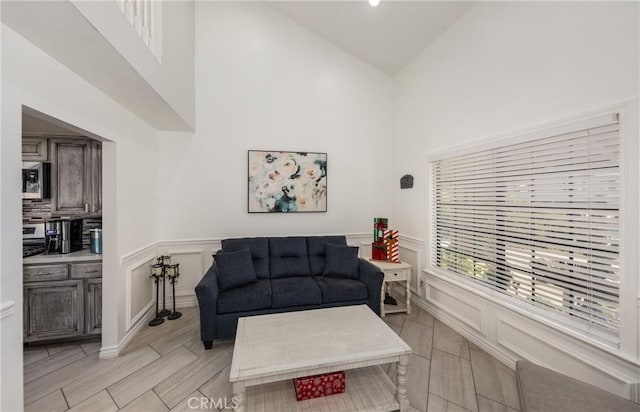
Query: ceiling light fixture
374	3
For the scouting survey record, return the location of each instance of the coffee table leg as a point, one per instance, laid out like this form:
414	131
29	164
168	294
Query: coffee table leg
408	295
383	292
239	396
401	380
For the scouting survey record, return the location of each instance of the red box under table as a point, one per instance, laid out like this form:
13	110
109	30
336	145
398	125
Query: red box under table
319	385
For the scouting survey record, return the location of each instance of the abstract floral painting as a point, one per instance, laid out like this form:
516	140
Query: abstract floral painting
287	182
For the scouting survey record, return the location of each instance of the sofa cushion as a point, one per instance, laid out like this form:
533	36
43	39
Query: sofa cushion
294	291
259	247
288	257
256	295
234	269
316	251
341	261
341	290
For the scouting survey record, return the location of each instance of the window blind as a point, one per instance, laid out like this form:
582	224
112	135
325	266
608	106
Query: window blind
537	221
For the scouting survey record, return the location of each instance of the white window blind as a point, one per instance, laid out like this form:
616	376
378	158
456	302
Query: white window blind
537	221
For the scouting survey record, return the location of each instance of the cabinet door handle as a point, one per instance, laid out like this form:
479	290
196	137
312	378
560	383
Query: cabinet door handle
92	271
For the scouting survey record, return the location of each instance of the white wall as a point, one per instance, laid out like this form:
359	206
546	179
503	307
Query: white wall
264	82
505	66
130	187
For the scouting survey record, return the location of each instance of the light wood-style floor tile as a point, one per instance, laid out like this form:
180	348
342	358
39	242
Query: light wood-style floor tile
218	386
148	402
176	338
168	330
91	347
494	380
181	384
109	372
418	377
195	401
55	380
59	347
395	319
51	363
419	337
53	402
420	316
166	366
33	354
452	380
450	341
437	404
145	378
489	405
100	402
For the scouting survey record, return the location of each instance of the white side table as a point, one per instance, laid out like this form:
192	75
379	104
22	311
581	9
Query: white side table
394	272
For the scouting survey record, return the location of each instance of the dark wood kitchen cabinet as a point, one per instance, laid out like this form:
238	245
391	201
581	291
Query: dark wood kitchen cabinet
62	300
53	310
93	316
34	149
76	176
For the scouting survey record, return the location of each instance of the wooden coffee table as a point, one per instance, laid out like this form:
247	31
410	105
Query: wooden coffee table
271	350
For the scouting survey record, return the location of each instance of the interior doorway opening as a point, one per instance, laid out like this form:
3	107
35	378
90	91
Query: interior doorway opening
63	234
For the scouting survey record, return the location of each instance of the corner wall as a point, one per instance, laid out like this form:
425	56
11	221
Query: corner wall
33	79
507	66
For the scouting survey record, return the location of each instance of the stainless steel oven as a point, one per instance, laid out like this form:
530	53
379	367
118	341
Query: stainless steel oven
36	180
32	239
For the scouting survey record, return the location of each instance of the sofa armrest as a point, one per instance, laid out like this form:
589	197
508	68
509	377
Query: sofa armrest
207	293
373	277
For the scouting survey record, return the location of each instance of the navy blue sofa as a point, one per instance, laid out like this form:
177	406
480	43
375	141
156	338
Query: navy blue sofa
289	272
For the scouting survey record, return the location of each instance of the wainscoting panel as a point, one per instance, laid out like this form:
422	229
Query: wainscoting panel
458	305
510	334
140	295
412	252
195	258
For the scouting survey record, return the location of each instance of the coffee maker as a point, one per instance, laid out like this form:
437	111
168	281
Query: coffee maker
63	235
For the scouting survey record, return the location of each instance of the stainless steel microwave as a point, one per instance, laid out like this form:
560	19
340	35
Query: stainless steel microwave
36	180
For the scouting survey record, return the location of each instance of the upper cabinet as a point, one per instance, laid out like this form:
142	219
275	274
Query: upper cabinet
34	149
76	176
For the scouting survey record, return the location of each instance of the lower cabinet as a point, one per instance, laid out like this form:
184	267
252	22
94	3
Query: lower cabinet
53	309
64	308
93	317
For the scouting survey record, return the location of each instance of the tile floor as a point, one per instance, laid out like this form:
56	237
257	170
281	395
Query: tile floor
165	366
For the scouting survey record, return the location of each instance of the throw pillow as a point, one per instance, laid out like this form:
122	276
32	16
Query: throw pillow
341	261
234	269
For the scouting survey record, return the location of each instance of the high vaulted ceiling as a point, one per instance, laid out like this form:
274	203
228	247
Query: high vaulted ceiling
387	37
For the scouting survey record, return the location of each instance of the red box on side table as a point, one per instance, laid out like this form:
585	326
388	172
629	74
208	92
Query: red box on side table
319	385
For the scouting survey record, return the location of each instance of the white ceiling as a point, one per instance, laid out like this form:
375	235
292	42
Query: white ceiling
387	37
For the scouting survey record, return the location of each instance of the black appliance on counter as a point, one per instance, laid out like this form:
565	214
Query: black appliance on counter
63	235
32	239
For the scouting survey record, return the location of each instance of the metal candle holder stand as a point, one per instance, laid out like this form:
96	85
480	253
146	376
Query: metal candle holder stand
157	271
173	271
165	261
163	269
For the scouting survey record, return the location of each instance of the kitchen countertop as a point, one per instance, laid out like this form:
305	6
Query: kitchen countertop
79	256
